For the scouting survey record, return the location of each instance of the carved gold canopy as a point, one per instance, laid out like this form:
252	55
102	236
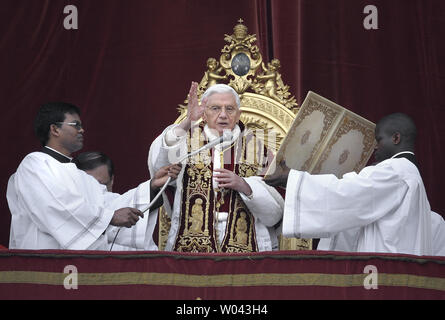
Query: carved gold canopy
266	102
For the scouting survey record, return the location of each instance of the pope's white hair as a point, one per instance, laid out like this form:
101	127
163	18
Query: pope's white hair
222	88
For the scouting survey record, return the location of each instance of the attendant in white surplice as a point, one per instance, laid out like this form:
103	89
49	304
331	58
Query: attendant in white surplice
384	208
220	202
54	205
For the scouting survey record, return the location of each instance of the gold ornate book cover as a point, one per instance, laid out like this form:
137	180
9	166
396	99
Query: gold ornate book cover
326	138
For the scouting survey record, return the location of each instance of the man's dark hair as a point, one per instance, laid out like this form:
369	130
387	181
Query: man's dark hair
51	113
401	123
93	159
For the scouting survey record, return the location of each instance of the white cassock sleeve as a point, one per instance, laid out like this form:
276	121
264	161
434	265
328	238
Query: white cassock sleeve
320	206
265	203
438	232
139	236
162	154
342	241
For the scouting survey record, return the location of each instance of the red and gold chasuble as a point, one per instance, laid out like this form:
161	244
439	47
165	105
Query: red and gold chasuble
201	204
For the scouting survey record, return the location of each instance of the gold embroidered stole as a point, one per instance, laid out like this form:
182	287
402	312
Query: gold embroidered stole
197	230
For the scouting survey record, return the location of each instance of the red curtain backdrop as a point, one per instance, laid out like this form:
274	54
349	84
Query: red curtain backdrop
130	63
284	275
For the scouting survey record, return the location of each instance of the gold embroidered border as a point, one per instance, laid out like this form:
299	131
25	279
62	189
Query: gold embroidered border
224	280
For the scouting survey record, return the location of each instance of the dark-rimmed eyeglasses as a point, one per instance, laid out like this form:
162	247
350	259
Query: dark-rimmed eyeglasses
76	124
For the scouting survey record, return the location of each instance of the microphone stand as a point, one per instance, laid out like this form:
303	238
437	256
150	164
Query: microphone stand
227	135
149	206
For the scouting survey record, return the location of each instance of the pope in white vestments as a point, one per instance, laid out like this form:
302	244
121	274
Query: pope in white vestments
383	208
219	205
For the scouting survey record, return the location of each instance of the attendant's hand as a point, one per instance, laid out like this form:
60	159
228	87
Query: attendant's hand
279	178
228	179
163	174
126	217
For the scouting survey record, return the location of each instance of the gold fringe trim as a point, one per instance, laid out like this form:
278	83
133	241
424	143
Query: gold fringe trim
224	280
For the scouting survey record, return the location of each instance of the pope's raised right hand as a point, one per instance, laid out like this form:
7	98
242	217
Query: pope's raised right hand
194	109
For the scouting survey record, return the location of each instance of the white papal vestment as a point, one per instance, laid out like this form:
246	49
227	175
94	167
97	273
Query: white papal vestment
54	205
265	203
384	208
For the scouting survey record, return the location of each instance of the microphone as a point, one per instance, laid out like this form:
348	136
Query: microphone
227	136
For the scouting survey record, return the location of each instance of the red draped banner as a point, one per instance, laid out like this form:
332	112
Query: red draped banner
52	274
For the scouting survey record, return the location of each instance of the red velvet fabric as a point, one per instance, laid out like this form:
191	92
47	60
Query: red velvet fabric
265	276
130	64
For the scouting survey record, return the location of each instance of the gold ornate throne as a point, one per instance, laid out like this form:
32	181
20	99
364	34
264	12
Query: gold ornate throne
266	102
